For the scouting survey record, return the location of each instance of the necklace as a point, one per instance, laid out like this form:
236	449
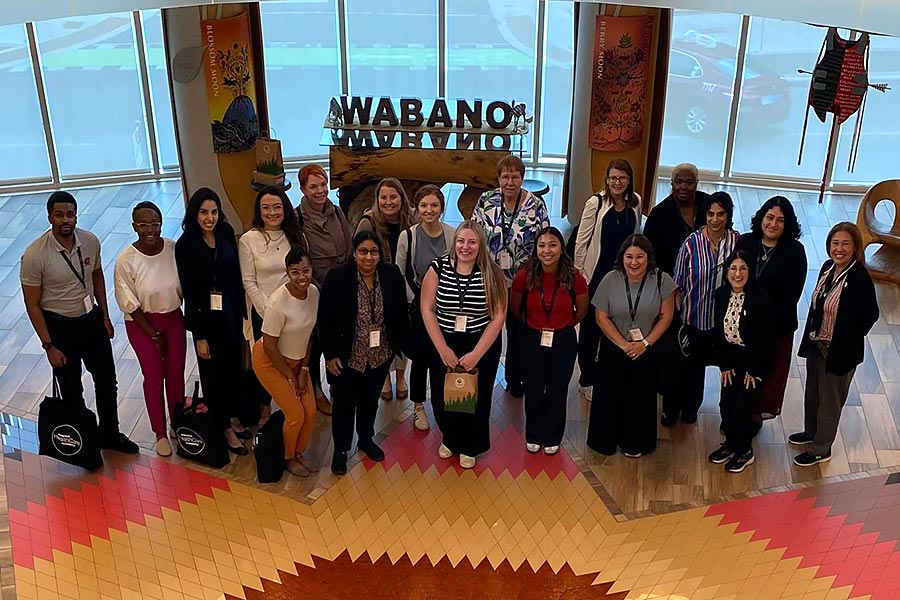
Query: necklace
766	251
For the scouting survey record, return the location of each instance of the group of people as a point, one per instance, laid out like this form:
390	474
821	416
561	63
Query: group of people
301	285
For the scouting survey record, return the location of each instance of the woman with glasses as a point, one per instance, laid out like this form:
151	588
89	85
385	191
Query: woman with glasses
363	324
274	229
609	217
742	348
149	293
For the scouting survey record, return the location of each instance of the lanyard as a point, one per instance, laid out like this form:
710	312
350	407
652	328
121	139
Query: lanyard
549	309
505	229
633	306
459	289
80	278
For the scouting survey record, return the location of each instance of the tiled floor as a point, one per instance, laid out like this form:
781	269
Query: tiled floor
572	526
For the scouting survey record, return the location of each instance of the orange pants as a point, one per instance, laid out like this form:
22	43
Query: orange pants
299	414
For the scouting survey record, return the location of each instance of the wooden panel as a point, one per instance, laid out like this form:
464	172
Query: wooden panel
352	166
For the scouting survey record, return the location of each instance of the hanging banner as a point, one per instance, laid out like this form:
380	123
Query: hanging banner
230	85
620	76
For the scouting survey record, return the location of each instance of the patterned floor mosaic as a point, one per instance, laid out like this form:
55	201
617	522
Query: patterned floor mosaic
417	526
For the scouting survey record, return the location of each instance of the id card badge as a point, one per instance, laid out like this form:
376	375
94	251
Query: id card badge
374	338
635	334
505	260
88	304
215	301
460	325
547	338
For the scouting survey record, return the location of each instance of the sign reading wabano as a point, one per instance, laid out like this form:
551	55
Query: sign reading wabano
366	121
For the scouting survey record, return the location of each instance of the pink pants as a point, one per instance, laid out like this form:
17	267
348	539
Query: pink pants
158	372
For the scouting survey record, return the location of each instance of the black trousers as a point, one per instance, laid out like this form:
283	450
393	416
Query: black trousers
623	407
547	375
85	340
463	433
420	355
220	377
354	395
253	389
736	404
588	340
315	360
686	395
513	364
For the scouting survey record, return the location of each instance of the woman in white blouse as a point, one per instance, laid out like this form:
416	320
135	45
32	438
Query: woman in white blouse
149	294
261	252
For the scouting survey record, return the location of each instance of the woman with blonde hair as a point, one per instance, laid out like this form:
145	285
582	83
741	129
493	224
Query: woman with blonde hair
463	306
390	215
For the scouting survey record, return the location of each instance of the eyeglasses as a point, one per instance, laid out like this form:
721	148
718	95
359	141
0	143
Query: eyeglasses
617	179
369	251
149	226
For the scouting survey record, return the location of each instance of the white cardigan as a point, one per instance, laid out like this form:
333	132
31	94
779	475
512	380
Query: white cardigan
405	253
587	244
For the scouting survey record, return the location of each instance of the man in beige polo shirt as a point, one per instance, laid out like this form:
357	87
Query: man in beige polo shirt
65	296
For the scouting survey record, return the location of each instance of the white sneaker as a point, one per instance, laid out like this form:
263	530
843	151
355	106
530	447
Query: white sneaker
586	392
163	448
466	462
551	450
444	452
420	419
533	448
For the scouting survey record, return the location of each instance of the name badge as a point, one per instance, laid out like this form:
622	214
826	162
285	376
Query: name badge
505	260
635	334
374	338
215	301
88	304
460	325
547	338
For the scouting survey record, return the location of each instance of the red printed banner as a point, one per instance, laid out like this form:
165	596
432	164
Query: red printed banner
619	91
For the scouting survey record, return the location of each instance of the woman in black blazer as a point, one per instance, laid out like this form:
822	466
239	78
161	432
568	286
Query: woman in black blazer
210	275
743	350
777	262
363	323
842	310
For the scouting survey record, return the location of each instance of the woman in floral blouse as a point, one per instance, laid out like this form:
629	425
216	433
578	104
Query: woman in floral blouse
511	219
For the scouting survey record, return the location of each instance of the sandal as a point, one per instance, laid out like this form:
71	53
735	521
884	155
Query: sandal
402	394
387	393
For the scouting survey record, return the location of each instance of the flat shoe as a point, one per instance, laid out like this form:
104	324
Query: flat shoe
551	450
163	448
246	434
239	450
387	396
295	468
402	394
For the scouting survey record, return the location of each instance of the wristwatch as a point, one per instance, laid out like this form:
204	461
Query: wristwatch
46	345
646	343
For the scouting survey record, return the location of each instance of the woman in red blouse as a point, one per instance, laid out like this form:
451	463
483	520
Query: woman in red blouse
550	296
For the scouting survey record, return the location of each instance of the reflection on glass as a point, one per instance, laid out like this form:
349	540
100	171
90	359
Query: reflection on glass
702	62
23	150
556	107
393	48
491	50
94	94
159	89
301	56
773	102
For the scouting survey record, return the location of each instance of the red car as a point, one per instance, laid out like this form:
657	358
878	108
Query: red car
701	82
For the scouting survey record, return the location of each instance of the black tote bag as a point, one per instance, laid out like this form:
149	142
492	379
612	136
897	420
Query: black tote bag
199	436
68	431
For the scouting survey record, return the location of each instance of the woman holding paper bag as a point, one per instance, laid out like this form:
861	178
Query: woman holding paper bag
634	306
464	307
550	296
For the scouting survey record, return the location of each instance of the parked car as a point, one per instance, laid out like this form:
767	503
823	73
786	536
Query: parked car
701	84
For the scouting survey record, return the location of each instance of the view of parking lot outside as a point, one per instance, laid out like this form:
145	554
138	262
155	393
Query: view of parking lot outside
97	117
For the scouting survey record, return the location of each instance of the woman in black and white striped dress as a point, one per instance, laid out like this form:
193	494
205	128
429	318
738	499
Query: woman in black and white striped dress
463	306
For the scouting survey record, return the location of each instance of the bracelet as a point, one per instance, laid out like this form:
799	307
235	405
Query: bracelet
46	345
156	335
304	368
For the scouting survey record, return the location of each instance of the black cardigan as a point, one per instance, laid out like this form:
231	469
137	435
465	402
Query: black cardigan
856	314
756	332
665	229
338	307
195	272
782	278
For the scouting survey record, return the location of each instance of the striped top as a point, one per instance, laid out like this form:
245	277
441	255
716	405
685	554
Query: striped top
459	295
828	294
699	272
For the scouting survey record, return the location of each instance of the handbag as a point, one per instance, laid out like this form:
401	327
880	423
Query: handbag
68	431
461	390
268	449
198	435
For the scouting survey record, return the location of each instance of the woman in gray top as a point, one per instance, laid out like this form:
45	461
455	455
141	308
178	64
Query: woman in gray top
417	248
634	305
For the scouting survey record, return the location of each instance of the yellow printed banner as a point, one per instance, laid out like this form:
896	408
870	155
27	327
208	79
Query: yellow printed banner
230	84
